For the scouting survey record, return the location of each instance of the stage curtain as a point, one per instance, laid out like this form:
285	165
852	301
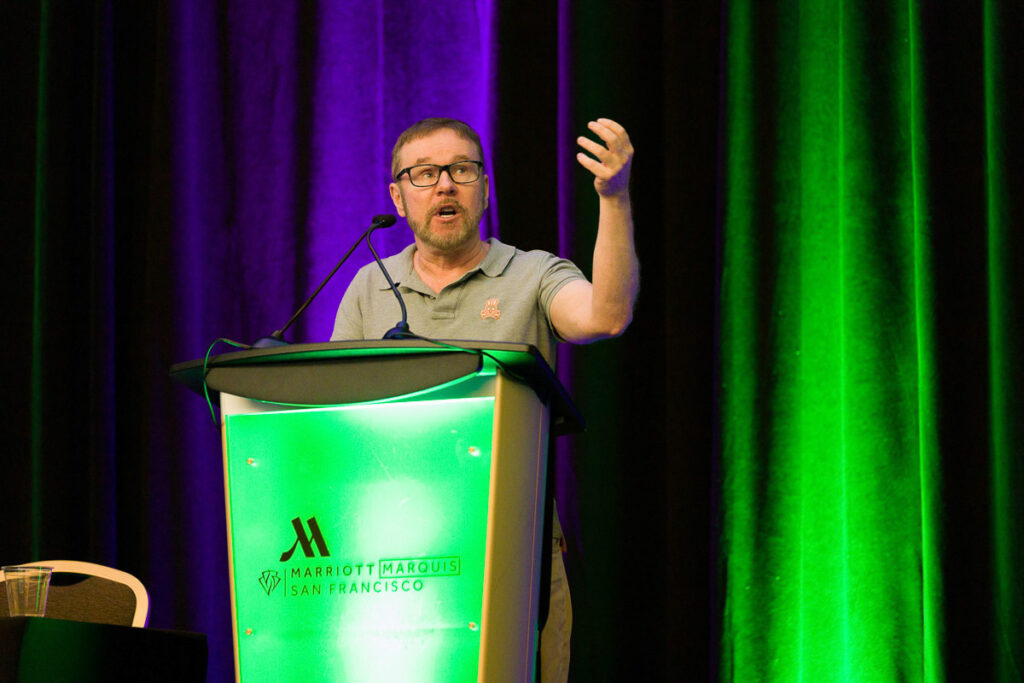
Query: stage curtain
803	460
871	317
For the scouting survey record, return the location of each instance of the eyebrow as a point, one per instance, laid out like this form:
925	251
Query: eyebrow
426	160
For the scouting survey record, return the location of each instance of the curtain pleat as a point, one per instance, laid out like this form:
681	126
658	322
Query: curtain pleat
865	308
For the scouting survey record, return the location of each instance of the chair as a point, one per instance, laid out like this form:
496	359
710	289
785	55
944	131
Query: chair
83	591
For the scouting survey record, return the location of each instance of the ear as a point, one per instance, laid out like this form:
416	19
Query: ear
487	190
396	197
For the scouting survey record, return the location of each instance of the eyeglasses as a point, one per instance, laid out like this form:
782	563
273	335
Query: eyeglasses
427	175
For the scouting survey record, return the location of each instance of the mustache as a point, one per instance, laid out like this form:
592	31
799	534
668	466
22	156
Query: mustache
448	204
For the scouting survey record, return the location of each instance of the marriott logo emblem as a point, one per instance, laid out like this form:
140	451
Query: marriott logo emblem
307	541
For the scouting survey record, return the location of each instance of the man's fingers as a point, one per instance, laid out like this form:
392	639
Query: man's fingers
611	166
598	150
596	167
608	123
614	135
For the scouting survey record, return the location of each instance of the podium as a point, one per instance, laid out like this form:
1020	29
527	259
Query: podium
385	505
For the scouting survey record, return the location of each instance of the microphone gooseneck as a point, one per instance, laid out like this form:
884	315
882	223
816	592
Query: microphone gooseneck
384	220
401	329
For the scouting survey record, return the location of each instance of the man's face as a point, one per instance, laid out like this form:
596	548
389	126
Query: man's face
447	215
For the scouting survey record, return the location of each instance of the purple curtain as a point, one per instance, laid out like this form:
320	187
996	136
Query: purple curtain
283	121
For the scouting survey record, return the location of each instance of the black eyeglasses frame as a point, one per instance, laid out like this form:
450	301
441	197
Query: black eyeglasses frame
442	169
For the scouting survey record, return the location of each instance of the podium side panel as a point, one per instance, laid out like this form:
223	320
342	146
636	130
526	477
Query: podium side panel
518	487
231	557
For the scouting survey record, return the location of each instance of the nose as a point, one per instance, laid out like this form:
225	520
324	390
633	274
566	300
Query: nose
445	184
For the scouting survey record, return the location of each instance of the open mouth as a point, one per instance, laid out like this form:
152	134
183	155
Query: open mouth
447	211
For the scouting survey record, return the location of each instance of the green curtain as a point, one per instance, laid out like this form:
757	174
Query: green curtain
871	372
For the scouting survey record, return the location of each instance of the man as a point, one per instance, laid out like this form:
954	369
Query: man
457	286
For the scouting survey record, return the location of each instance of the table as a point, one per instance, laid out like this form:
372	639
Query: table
55	650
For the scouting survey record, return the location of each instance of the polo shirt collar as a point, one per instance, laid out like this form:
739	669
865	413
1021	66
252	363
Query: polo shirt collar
497	259
404	274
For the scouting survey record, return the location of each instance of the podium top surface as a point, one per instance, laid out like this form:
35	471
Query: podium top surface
333	373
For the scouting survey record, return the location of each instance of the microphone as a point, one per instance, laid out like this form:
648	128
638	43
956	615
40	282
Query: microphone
384	220
401	329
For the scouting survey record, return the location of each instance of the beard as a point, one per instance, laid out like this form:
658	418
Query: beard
457	234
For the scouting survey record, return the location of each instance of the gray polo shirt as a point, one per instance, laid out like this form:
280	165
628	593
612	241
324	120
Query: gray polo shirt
505	298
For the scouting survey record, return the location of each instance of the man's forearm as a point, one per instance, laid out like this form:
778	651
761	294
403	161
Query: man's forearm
616	270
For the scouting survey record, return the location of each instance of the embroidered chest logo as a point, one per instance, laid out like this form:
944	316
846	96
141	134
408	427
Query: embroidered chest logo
490	310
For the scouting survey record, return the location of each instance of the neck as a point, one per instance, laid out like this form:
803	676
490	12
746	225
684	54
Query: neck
438	268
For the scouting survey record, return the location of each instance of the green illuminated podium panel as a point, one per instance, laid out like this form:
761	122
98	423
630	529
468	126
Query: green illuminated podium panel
359	540
384	507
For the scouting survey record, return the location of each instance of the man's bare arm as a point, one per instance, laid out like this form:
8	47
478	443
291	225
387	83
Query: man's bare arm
582	311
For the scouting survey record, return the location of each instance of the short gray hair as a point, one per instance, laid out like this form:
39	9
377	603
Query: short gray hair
425	127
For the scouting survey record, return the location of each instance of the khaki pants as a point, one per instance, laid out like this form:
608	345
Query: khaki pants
554	637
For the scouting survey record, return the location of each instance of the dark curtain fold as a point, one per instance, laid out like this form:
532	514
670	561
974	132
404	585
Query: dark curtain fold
802	459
